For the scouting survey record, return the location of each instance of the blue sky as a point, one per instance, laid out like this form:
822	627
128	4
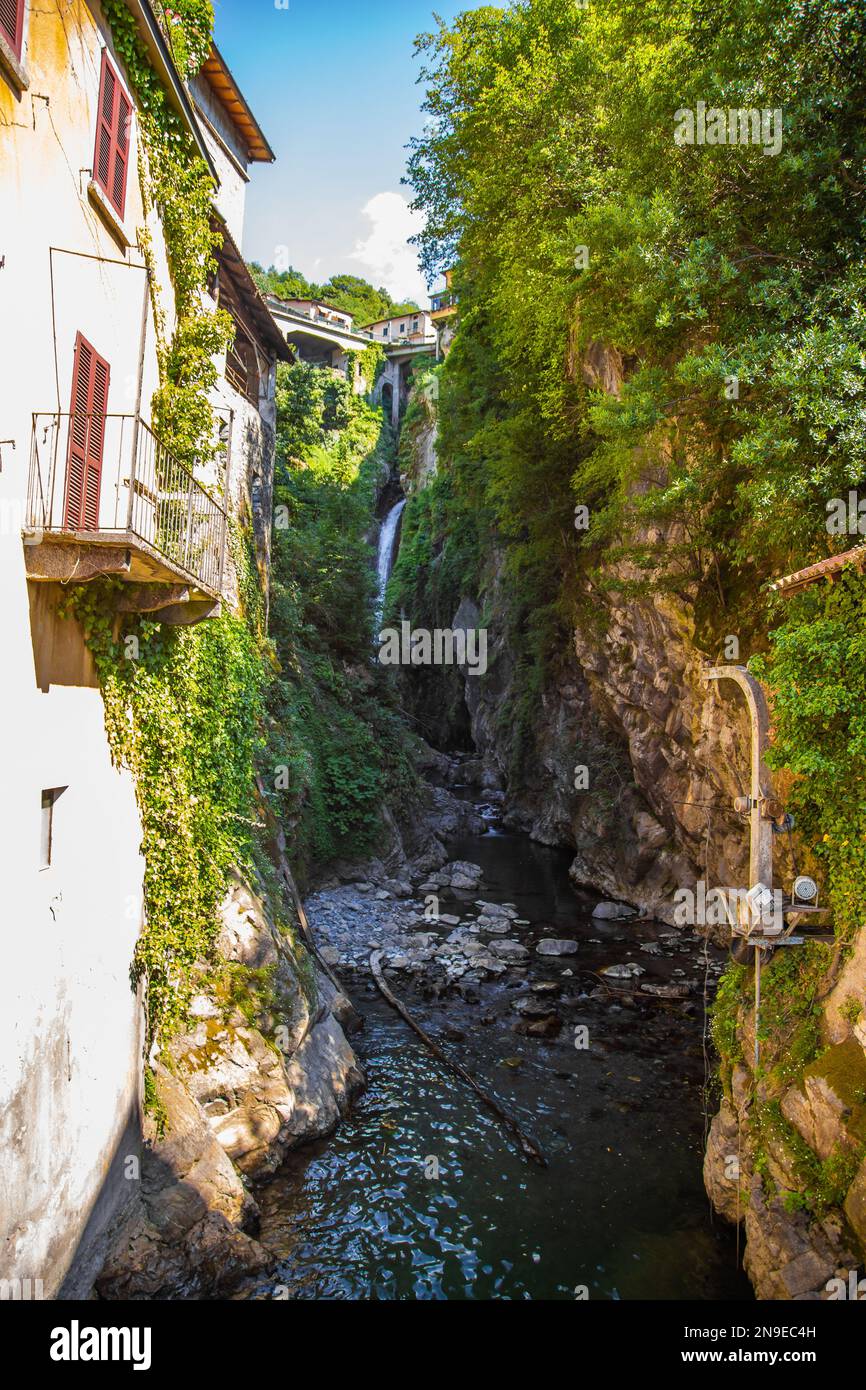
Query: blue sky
333	85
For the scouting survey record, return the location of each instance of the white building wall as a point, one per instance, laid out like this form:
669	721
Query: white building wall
230	198
228	154
70	1024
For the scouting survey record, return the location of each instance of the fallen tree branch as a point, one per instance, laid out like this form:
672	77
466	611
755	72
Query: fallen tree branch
529	1147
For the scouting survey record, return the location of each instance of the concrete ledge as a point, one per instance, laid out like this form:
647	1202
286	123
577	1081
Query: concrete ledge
12	68
108	214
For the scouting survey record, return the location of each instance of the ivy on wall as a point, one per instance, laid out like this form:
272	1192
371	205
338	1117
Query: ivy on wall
177	183
183	707
370	360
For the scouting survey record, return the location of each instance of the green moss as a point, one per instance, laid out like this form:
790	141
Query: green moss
822	1185
843	1067
724	1020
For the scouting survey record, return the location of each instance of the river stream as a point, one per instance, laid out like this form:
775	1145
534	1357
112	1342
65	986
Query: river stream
421	1195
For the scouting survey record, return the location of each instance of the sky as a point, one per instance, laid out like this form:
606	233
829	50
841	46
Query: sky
332	83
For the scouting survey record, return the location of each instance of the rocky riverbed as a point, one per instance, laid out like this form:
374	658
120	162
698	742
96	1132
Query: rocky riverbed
589	1031
440	937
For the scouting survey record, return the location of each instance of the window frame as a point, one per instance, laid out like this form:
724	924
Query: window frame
49	799
110	129
15	41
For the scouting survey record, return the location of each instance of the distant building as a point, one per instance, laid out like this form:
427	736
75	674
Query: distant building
321	312
443	315
415	326
318	333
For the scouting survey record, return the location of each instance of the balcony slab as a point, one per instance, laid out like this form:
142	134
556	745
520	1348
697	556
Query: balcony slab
75	556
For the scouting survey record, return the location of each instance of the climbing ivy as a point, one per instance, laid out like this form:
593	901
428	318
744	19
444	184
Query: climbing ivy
183	710
177	183
371	360
817	673
183	706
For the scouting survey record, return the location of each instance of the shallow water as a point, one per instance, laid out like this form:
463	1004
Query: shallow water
421	1195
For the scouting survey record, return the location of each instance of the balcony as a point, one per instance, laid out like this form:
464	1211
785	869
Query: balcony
105	496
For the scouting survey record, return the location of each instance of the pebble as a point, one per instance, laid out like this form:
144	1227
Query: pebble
623	972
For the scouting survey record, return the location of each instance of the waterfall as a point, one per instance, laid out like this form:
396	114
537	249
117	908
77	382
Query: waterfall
386	553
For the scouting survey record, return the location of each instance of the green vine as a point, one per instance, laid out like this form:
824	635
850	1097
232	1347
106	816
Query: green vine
370	360
176	182
817	672
183	709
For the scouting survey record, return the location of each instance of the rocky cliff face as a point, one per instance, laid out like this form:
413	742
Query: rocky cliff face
265	1067
664	754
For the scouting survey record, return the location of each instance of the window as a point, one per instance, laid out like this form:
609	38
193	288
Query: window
90	379
46	840
12	24
113	123
242	368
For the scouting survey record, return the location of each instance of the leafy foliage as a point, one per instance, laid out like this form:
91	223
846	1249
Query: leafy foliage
551	128
336	740
183	710
817	669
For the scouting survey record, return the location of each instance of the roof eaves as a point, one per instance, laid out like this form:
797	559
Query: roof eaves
255	300
822	569
237	108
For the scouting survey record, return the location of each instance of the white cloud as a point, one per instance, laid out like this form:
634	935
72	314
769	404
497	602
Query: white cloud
385	258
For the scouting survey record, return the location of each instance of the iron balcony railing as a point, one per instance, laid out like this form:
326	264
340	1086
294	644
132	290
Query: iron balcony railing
114	477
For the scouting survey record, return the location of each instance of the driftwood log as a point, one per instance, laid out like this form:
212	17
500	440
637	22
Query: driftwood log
527	1145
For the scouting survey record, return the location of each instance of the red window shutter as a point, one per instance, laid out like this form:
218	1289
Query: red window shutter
12	24
90	379
110	157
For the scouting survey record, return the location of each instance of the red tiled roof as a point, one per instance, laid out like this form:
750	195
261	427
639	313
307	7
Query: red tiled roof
824	569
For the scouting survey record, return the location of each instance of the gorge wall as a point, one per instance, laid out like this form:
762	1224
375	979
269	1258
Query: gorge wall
665	754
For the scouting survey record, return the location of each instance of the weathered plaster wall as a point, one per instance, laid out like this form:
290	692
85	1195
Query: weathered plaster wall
229	158
70	1036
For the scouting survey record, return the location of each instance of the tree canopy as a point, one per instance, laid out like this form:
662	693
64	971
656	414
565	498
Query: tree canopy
347	292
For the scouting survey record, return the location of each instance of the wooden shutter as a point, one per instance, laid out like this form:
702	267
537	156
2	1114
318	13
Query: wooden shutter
111	155
90	378
12	24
